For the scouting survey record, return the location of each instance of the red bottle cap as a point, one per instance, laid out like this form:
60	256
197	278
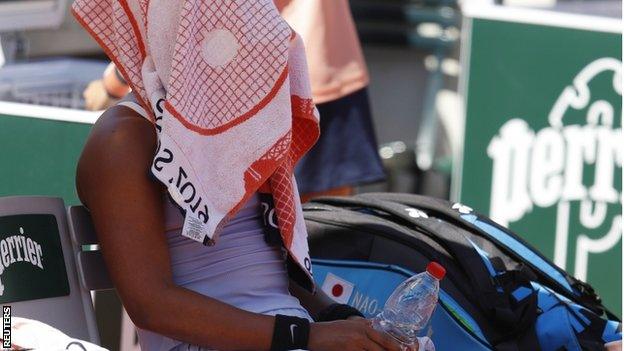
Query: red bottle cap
436	270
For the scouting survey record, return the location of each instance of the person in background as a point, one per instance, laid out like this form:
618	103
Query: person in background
104	93
346	153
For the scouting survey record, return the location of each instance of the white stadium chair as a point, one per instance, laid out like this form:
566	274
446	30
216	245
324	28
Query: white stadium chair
39	278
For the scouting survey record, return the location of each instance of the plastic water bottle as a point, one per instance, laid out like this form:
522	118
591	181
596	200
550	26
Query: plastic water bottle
411	305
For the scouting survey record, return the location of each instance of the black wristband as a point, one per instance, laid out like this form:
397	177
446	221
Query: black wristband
290	333
336	312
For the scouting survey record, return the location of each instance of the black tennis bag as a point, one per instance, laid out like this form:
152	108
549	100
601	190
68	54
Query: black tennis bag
499	292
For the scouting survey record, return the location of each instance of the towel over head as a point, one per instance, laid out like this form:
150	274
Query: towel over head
230	99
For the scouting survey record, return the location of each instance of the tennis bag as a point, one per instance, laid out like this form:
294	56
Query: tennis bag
499	292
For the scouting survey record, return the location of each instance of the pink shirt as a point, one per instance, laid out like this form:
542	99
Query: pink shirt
335	60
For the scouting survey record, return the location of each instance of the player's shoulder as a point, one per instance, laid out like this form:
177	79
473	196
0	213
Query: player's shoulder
121	145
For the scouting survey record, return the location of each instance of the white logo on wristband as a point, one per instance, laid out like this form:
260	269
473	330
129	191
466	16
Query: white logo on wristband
292	332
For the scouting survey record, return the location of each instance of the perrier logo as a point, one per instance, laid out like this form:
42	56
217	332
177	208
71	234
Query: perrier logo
19	248
32	264
574	164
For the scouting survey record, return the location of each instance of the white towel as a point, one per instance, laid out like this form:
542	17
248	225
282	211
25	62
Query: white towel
230	99
34	335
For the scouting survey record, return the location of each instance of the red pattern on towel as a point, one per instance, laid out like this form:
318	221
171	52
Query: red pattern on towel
211	99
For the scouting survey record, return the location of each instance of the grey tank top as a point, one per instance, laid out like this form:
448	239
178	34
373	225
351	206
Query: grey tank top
241	269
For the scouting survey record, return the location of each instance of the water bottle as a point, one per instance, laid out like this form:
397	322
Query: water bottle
411	305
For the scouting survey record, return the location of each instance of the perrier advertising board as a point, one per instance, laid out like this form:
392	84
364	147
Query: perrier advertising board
542	151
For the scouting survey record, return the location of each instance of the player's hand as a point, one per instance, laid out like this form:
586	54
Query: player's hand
353	334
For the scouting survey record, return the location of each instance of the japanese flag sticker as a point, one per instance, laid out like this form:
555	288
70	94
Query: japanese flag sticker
337	288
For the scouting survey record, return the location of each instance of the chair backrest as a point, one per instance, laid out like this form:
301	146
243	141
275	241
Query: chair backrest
38	275
91	267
